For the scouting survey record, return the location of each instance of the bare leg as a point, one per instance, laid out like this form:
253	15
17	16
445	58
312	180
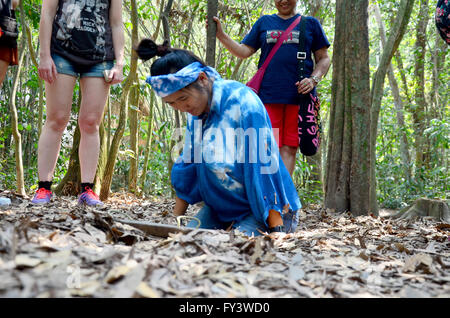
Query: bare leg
3	69
93	100
288	154
59	103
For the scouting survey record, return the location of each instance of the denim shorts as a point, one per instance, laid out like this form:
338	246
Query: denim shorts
64	66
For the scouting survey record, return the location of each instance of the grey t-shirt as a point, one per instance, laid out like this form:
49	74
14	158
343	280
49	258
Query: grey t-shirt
82	31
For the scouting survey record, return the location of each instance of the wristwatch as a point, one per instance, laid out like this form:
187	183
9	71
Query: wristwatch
279	228
315	79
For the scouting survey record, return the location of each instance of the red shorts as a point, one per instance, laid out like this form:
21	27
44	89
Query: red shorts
9	55
284	119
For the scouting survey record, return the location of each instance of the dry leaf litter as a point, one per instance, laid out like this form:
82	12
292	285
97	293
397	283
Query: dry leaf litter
62	250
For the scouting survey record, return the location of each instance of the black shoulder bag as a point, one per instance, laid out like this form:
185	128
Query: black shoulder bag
308	131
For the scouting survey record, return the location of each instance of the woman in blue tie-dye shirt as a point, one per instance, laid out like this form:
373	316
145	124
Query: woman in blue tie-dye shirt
230	159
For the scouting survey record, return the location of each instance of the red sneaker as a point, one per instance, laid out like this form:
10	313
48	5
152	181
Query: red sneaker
89	197
42	196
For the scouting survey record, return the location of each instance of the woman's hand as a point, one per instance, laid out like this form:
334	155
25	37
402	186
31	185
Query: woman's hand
47	70
305	86
115	75
219	32
239	50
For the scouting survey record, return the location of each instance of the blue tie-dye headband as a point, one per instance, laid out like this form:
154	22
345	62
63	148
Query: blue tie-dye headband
165	85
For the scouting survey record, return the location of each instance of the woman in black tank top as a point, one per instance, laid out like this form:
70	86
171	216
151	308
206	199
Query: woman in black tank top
78	38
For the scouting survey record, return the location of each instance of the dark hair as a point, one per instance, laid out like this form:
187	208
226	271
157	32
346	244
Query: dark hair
170	61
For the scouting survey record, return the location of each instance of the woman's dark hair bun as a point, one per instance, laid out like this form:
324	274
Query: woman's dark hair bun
147	49
172	60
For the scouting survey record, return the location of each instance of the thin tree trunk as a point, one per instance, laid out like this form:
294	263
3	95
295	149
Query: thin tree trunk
108	136
439	54
419	113
115	144
148	144
70	184
211	33
166	28
376	94
158	24
14	121
165	21
134	123
102	157
40	82
406	159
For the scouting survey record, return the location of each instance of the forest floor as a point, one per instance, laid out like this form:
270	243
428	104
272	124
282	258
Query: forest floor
62	250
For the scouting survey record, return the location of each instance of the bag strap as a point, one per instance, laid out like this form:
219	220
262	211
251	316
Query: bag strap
280	41
301	54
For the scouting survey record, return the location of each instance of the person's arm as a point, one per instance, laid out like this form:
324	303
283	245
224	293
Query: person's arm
47	69
115	18
237	49
323	62
15	4
180	207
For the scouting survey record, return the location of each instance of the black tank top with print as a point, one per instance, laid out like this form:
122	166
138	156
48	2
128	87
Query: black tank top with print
82	31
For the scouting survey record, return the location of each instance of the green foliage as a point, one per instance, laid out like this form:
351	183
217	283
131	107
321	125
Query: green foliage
305	178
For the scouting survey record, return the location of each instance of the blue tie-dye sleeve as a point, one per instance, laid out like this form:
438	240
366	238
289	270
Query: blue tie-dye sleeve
185	183
267	181
184	171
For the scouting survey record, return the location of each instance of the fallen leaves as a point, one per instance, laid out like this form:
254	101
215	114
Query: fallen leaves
418	262
65	251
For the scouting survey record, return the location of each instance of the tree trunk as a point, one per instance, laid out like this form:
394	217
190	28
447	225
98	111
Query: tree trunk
406	159
148	144
102	157
211	33
425	207
70	184
439	54
36	64
15	123
134	137
376	94
165	21
131	78
419	111
158	24
348	173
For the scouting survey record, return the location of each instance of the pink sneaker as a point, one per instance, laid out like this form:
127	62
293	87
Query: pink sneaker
42	196
89	197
